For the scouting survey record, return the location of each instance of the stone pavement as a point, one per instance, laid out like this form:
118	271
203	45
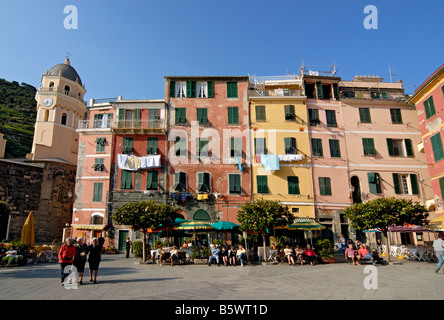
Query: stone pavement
125	279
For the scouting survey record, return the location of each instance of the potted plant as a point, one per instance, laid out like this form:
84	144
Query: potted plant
199	255
326	250
111	250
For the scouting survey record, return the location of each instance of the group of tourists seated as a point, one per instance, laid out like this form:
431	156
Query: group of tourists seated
299	255
228	255
358	252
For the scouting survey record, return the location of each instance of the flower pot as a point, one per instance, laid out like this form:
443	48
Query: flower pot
328	260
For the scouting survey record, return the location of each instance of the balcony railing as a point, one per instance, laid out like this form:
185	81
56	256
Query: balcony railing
94	124
65	92
142	124
376	95
277	93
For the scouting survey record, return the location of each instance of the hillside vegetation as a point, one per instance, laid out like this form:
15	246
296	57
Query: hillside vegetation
17	117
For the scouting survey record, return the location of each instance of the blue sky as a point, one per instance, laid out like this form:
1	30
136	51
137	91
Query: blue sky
125	48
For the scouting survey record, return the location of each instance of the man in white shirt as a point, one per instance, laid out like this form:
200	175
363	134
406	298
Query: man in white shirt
438	246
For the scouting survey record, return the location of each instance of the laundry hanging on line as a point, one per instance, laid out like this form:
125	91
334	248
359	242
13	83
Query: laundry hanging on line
131	163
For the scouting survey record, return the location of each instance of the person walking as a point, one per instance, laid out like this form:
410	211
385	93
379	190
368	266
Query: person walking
128	246
66	257
94	258
80	258
438	246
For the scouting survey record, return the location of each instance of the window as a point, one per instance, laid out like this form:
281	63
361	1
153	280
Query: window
374	182
202	89
64	119
262	184
396	115
438	152
180	147
290	145
180	181
99	164
293	185
181	115
441	186
364	115
289	113
181	88
103	120
202	145
316	145
260	113
97	193
233	115
235	183
203	182
335	151
331	118
152	179
152	145
399	147
319	90
405	183
260	146
153	118
46	115
325	186
127	145
100	144
313	117
126	179
235	147
232	89
67	89
429	107
202	115
369	147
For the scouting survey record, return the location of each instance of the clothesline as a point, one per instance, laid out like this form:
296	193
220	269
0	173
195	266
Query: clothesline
271	162
131	163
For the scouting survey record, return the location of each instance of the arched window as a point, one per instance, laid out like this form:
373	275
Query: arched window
201	215
67	89
51	84
46	115
64	119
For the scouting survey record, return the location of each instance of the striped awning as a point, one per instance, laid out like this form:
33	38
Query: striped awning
305	224
194	225
88	226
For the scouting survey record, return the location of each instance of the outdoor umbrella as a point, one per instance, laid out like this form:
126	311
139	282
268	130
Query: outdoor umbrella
225	225
305	224
28	230
194	226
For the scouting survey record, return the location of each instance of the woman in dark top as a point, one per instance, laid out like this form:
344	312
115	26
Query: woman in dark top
95	255
224	255
80	258
128	246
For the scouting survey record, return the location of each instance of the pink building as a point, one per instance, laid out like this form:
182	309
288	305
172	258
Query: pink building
429	102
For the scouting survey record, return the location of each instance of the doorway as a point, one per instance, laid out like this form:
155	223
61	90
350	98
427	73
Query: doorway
123	234
356	189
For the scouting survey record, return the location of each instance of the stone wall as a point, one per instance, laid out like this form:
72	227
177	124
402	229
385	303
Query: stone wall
44	188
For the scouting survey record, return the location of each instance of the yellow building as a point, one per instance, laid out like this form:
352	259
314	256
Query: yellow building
60	106
280	144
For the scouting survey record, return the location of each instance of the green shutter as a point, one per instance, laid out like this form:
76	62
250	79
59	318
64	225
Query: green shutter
125	179
289	113
324	186
335	151
260	113
369	146
414	183
364	115
317	147
98	190
260	146
172	89
234	181
191	89
336	91
293	185
231	89
396	184
233	115
331	118
121	122
235	147
373	182
396	115
127	145
152	180
391	149
408	147
180	115
313	115
319	90
429	107
262	184
441	186
202	115
152	145
438	151
210	89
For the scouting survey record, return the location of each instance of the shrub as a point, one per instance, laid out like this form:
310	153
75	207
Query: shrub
325	249
138	249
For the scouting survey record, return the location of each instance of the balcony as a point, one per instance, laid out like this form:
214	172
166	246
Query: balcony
138	126
372	95
277	93
94	125
61	91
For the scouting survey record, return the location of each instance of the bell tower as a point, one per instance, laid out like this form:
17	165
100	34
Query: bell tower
60	106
